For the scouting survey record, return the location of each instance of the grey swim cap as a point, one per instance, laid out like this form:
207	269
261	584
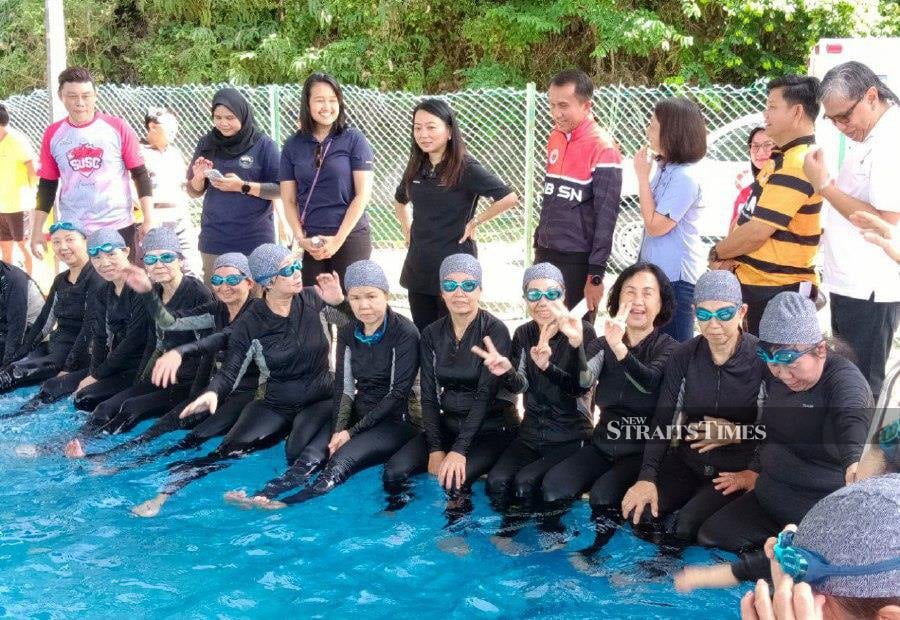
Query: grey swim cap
264	261
233	259
790	318
857	524
106	235
161	239
460	263
718	285
540	271
365	273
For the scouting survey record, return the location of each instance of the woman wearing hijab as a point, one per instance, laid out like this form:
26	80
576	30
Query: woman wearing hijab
235	169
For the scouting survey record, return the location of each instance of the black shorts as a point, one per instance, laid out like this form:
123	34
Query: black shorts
13	225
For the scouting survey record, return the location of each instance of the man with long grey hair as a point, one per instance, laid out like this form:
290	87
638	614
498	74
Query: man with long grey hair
864	283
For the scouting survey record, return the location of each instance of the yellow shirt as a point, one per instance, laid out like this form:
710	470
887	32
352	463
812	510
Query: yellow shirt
16	192
783	197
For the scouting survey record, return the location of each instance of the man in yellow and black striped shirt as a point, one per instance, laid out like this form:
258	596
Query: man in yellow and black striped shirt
774	245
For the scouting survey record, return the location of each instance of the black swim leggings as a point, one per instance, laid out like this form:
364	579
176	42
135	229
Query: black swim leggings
260	425
370	448
31	371
125	410
104	389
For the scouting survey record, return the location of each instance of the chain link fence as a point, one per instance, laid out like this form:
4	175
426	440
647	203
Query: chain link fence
505	129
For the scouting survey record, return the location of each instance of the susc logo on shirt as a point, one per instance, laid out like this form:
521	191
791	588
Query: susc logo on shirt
245	162
85	158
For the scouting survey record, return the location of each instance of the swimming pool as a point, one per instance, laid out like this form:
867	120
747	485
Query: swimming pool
70	547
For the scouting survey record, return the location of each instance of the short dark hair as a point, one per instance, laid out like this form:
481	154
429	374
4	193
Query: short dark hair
307	124
4	116
682	130
799	90
584	86
75	74
666	294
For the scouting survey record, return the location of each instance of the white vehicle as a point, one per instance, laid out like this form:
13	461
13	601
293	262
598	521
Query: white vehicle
726	159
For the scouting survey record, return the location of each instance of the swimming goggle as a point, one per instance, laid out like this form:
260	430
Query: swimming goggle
783	357
106	248
63	226
166	257
535	295
231	280
889	436
285	272
805	565
722	314
448	286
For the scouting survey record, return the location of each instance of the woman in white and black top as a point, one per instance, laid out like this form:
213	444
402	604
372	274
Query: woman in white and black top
443	183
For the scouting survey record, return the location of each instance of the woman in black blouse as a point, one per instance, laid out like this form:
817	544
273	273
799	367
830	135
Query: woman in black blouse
443	183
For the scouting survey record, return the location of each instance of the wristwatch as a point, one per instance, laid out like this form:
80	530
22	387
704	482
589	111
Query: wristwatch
245	188
596	280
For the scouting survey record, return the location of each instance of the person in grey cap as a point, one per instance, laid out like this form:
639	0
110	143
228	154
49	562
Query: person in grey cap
816	415
283	336
377	363
709	400
469	420
233	288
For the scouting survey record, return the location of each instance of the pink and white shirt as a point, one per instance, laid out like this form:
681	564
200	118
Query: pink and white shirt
91	163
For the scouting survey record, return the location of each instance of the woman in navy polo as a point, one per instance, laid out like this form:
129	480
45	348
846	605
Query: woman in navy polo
237	199
326	182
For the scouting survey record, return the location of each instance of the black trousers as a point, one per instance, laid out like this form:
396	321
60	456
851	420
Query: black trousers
591	469
358	246
756	298
426	309
128	408
868	327
104	389
520	470
741	526
574	274
36	367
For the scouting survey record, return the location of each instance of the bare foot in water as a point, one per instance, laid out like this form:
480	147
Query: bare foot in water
151	507
261	501
239	498
27	451
74	450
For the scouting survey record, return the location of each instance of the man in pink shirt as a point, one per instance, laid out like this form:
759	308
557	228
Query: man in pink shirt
87	157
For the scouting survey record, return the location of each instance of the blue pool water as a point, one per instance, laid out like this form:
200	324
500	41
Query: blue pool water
70	547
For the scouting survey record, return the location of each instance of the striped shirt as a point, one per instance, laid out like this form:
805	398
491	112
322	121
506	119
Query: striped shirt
783	198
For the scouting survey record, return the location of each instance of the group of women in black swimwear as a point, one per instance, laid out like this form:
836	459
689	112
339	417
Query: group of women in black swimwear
720	440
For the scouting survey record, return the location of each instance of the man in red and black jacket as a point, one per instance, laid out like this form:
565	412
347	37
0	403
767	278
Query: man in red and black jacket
582	187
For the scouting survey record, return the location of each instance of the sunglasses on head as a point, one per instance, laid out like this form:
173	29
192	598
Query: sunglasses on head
783	357
448	286
534	295
231	280
285	272
805	565
166	257
106	248
722	314
63	226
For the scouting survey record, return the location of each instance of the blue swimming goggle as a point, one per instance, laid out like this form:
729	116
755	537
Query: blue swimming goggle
805	565
106	248
449	286
231	280
165	257
285	272
889	436
722	314
783	357
534	295
69	226
374	338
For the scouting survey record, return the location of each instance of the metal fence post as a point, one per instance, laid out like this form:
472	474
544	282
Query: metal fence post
275	112
530	112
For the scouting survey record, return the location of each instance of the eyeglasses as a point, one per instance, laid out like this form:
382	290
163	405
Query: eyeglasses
167	257
844	117
805	565
534	295
231	280
722	314
448	286
783	357
764	146
285	272
63	226
106	248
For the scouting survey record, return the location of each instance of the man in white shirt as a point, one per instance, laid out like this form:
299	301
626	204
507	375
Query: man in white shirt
864	283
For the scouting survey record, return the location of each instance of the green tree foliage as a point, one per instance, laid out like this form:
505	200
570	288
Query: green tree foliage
434	45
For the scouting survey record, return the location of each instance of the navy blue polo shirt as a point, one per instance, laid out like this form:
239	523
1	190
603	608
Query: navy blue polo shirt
236	222
347	152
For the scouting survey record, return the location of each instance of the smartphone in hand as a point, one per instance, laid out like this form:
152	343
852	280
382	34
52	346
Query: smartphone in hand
214	175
